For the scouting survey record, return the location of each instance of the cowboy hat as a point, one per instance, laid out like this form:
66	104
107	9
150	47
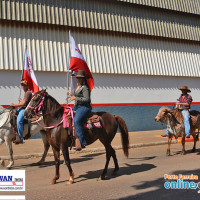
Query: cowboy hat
81	74
24	83
184	87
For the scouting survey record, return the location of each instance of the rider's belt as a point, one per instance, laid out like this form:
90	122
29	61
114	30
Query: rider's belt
83	104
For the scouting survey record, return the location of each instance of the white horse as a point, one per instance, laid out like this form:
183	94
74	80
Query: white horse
7	134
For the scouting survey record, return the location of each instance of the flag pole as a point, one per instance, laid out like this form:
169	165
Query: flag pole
22	70
69	56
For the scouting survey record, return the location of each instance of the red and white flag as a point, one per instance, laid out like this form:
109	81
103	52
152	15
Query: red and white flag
29	75
78	62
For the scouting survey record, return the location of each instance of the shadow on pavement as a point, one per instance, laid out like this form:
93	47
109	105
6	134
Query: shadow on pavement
127	170
143	159
162	193
51	163
189	151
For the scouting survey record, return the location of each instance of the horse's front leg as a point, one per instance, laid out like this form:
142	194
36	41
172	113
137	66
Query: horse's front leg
46	146
169	144
2	162
10	151
183	145
65	152
56	152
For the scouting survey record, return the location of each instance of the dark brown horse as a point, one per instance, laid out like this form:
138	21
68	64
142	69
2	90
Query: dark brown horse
59	137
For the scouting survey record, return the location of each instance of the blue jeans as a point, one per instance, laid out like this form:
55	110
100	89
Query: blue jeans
20	123
81	113
186	116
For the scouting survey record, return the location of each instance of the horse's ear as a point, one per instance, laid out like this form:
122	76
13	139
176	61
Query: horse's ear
45	91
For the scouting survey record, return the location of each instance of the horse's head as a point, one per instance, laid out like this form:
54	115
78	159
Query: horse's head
36	104
163	113
13	117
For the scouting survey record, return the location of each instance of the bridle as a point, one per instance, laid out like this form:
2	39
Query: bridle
162	118
39	106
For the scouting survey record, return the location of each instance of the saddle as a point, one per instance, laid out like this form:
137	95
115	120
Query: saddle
93	121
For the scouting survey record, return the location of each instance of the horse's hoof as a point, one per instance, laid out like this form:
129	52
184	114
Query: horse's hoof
2	163
40	162
168	153
102	177
182	152
53	182
8	167
70	182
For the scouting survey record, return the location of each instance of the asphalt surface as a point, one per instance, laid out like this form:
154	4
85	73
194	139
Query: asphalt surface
141	176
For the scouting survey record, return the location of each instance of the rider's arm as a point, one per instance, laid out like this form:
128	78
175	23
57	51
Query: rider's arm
22	103
184	104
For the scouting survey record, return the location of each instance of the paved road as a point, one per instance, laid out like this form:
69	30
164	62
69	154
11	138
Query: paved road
140	176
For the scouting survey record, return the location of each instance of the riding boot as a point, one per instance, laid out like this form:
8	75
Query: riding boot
17	141
78	145
16	137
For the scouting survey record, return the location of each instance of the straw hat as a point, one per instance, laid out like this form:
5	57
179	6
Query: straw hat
184	87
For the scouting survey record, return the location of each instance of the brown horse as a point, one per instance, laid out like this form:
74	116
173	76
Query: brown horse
59	137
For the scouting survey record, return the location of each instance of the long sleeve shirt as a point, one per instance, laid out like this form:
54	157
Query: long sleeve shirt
82	95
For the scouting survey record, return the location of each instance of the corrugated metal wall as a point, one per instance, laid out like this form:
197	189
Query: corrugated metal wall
104	15
189	6
104	52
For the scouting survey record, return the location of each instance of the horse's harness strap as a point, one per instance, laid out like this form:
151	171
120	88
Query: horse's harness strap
67	111
39	106
46	127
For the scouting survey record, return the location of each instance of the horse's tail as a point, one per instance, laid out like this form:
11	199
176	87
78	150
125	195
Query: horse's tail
124	134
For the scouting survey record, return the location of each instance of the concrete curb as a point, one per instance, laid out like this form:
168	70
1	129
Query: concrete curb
91	150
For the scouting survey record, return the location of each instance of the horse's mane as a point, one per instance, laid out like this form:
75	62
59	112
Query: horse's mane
177	114
56	108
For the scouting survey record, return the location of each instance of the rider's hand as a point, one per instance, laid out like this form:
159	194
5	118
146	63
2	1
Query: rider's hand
12	104
72	98
69	93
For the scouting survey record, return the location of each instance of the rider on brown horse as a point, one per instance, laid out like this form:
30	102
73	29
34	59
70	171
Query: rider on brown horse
81	96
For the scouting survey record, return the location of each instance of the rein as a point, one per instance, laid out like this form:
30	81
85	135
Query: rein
47	127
